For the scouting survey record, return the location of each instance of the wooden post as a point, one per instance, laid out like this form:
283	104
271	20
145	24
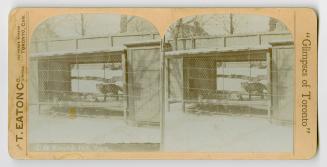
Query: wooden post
231	24
184	43
167	83
125	92
193	43
184	81
131	92
162	93
111	41
268	62
225	41
76	44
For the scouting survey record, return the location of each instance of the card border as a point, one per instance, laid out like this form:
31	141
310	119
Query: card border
299	21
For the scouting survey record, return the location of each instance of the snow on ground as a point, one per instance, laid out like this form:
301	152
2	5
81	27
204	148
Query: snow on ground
224	133
183	132
89	130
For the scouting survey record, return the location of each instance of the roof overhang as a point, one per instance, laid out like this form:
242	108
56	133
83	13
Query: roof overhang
78	53
225	51
143	43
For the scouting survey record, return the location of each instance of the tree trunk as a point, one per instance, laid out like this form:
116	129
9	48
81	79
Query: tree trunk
82	25
123	23
231	24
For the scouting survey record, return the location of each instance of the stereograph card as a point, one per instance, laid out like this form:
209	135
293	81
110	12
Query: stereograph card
162	83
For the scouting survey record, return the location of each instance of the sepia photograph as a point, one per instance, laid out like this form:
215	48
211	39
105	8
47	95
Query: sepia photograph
230	84
212	83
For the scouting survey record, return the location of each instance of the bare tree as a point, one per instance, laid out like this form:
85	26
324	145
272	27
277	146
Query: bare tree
123	23
231	24
187	28
79	22
134	24
275	25
43	33
83	24
190	27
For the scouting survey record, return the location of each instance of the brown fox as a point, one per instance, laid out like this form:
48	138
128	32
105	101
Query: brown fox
109	89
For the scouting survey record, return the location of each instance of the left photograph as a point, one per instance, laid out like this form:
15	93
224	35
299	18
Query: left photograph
94	84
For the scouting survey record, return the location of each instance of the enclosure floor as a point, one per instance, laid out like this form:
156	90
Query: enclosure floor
89	130
238	133
183	132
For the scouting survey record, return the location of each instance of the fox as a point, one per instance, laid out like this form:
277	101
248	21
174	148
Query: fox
254	88
109	89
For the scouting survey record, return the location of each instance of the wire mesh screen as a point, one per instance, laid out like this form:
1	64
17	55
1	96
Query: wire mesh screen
143	75
283	83
79	85
175	88
221	85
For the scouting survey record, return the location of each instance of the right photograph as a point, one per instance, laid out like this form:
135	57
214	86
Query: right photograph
229	85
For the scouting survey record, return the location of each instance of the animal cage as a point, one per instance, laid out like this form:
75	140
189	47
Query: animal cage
221	81
143	78
139	81
110	79
83	83
116	82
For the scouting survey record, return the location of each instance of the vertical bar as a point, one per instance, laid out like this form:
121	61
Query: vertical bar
184	43
47	82
47	45
268	61
193	43
225	42
77	65
35	70
123	64
166	86
183	85
131	92
111	41
162	93
76	44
